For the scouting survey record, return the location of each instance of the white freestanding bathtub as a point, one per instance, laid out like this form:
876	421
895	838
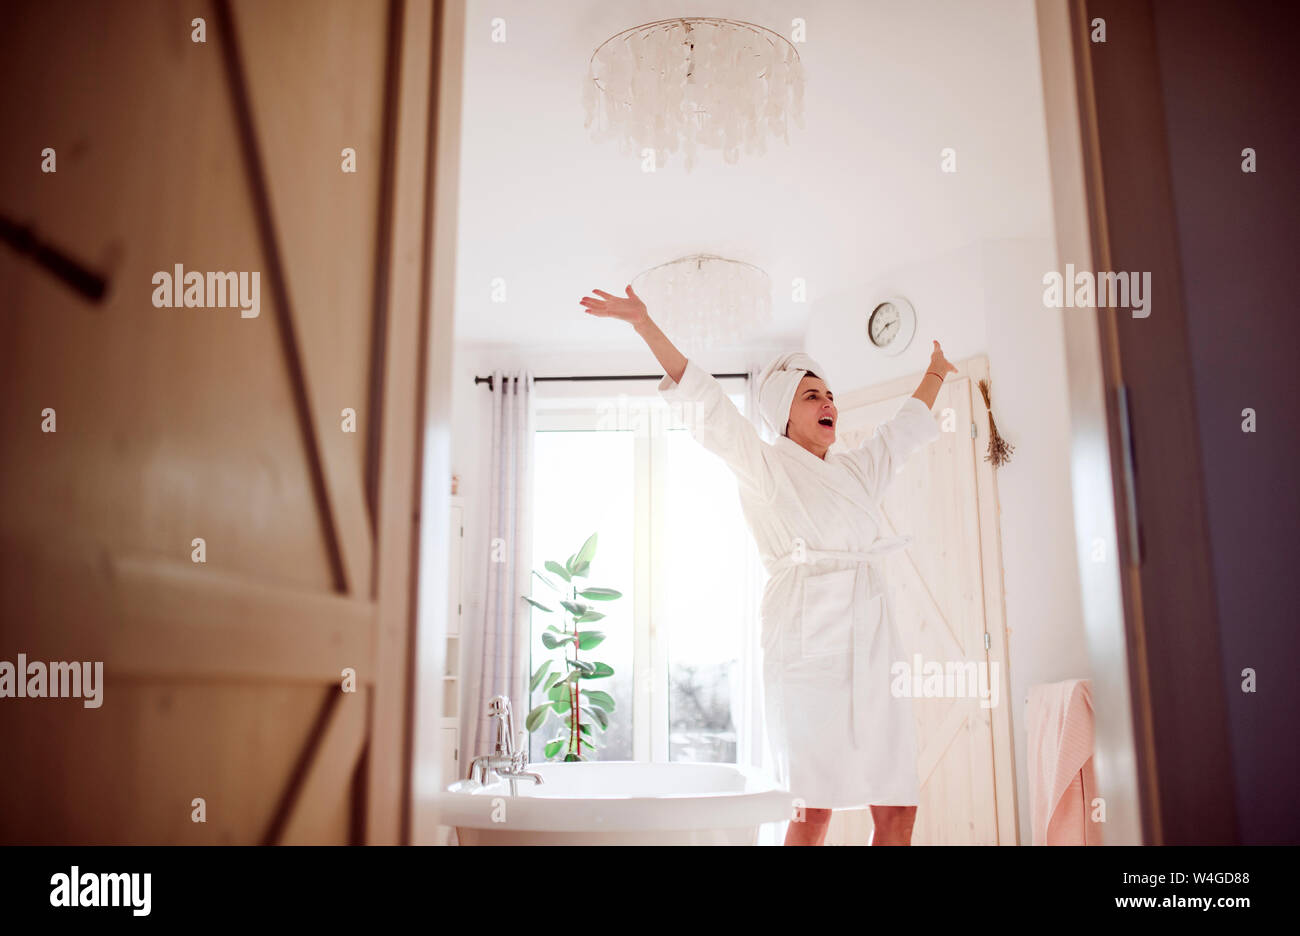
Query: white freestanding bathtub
617	803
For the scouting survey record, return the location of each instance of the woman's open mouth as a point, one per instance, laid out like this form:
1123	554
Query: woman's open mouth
826	421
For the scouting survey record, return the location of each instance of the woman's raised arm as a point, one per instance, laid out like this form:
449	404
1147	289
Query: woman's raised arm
928	389
631	309
882	456
712	419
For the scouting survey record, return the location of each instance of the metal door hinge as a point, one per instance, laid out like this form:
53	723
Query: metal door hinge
973	431
987	642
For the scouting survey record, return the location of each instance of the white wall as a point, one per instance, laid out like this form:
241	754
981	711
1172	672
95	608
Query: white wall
946	292
1026	347
987	299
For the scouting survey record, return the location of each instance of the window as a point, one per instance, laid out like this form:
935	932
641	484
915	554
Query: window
585	483
672	538
703	576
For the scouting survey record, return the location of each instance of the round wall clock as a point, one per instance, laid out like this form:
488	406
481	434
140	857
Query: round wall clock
891	325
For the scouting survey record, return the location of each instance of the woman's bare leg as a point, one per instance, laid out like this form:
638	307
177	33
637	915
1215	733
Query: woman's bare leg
811	830
892	825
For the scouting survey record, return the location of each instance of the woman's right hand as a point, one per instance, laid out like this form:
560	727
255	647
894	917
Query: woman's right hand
630	308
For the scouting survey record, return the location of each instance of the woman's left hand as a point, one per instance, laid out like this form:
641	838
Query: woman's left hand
940	364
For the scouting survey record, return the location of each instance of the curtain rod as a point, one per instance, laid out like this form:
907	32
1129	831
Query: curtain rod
488	380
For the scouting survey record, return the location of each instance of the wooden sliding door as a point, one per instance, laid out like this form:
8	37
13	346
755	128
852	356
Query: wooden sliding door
214	500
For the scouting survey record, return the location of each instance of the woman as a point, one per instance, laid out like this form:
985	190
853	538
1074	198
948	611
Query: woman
829	636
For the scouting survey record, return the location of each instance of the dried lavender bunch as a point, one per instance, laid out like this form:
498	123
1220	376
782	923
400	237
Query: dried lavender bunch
1000	449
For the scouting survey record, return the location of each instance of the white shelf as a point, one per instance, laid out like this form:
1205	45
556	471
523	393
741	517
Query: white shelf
450	723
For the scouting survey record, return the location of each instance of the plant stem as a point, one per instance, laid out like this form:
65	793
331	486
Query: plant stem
577	712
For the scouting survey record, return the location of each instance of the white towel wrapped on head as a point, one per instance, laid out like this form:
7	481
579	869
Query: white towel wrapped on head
777	385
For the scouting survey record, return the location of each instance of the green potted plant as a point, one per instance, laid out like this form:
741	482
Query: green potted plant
566	695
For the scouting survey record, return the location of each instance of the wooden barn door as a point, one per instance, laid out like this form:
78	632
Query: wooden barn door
947	589
278	445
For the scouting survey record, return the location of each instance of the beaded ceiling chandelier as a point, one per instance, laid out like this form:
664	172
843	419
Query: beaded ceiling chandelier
703	301
694	82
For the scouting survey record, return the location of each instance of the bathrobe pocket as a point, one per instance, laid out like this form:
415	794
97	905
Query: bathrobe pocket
826	619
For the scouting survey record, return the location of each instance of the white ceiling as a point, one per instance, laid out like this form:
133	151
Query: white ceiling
857	192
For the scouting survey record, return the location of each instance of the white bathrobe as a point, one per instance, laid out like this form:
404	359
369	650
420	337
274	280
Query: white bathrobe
829	636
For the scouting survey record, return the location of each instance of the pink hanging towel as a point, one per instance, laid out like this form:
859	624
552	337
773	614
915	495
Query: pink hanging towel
1061	780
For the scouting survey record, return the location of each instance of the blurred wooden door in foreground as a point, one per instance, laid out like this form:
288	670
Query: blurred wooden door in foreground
223	679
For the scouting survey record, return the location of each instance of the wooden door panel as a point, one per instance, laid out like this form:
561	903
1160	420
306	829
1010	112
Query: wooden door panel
128	772
940	592
329	220
221	679
939	598
172	423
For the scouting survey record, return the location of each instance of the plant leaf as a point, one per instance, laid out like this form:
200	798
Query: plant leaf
589	617
581	665
539	675
581	569
602	699
602	670
600	715
552	747
538	604
576	608
548	583
588	550
536	717
561	571
600	594
551	680
558	694
589	639
550	641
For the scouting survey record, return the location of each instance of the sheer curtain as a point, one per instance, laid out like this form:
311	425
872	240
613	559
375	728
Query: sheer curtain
499	657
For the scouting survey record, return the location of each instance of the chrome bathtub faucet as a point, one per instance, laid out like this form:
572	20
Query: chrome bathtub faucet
508	759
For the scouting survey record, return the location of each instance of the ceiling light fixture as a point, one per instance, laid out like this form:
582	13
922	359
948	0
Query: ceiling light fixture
694	82
702	301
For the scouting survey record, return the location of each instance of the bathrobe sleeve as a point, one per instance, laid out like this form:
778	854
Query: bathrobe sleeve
882	456
715	422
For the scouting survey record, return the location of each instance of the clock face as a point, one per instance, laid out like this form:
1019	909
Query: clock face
884	325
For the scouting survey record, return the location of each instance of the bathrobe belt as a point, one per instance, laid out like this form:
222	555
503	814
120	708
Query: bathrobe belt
867	585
